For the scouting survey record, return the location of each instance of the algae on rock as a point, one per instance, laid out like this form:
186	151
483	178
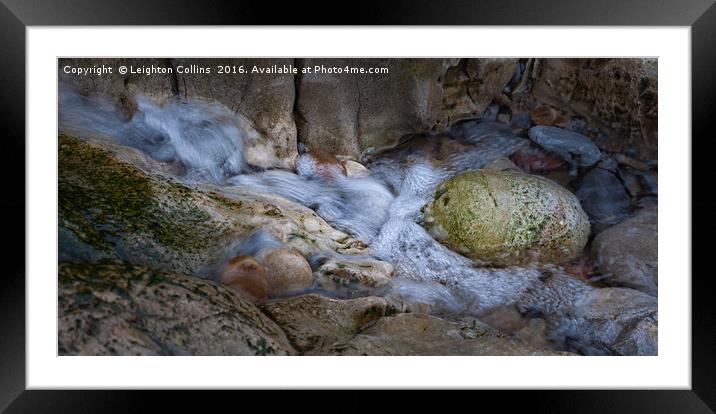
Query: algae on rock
117	308
115	200
507	217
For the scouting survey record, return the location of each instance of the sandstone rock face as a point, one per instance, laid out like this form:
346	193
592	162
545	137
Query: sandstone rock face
121	90
347	114
628	252
312	321
115	202
115	308
420	334
507	217
617	96
265	99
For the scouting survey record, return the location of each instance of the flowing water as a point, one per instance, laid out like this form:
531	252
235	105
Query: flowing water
382	209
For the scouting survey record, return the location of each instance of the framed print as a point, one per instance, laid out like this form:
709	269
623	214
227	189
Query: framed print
212	204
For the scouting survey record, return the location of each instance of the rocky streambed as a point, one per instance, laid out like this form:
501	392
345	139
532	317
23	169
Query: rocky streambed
505	217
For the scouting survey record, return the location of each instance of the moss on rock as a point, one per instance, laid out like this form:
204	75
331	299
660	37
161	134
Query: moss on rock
507	217
116	202
117	308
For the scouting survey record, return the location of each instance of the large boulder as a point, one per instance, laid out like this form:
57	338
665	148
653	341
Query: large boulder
507	217
347	114
421	334
116	308
627	254
116	202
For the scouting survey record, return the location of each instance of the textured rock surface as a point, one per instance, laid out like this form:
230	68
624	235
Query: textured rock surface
350	276
287	271
121	90
112	206
618	97
574	148
114	308
617	321
312	321
506	217
346	114
265	99
628	252
603	196
420	334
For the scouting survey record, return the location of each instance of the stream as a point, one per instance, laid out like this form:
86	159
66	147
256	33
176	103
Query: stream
382	209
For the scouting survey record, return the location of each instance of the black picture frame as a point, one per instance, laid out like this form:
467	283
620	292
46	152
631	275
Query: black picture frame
15	15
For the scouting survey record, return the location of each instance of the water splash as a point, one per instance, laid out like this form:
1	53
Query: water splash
205	137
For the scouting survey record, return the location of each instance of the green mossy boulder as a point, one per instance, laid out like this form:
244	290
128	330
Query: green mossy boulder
507	217
116	203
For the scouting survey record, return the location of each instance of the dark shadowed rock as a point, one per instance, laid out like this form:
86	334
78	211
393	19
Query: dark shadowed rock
347	114
627	253
115	308
611	321
617	96
603	196
574	148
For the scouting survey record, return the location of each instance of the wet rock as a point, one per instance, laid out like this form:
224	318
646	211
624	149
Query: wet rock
246	277
355	169
574	148
507	217
319	163
502	164
265	99
420	334
287	271
544	115
603	196
592	321
119	202
347	114
535	160
120	90
617	96
115	308
312	321
350	276
611	321
630	162
627	253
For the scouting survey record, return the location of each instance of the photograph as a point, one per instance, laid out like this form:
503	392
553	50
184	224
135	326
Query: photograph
357	206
